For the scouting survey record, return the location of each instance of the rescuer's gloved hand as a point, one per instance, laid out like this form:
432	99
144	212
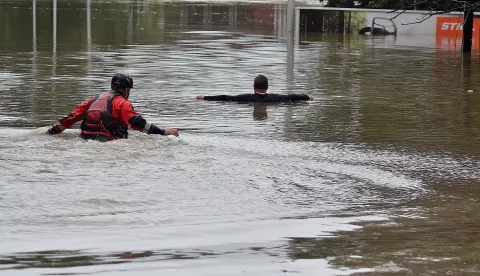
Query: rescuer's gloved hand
55	129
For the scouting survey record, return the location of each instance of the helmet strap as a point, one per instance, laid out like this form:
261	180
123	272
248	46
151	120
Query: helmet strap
125	93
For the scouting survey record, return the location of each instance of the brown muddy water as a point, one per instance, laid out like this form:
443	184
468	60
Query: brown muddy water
377	176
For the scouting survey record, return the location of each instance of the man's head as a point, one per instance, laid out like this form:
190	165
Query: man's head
123	82
260	84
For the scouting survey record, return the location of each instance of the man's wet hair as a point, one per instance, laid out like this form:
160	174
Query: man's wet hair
260	82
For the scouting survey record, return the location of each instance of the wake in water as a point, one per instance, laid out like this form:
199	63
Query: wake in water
196	193
41	131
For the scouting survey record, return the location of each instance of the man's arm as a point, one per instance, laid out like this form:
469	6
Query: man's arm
226	98
138	123
297	97
274	98
67	122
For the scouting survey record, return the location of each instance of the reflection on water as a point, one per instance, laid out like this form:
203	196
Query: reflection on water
260	112
59	259
376	176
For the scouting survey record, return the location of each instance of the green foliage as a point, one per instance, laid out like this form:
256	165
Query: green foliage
387	4
373	4
341	3
434	5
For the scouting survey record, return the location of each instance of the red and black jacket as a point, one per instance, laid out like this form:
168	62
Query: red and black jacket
106	115
98	119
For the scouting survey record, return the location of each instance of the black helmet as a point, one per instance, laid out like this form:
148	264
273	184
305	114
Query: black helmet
121	80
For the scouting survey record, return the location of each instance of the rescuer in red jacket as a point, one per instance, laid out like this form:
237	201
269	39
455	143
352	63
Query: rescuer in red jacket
107	116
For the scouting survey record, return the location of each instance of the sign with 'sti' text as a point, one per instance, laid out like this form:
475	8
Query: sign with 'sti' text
450	32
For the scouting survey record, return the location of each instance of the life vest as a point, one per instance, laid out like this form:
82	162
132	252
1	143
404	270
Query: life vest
98	120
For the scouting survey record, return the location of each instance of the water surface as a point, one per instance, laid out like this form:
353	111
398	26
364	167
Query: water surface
377	176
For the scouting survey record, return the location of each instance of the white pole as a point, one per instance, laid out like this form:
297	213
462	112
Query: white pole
54	26
207	16
290	16
34	27
54	54
89	27
290	39
34	38
34	19
89	42
297	26
130	23
232	16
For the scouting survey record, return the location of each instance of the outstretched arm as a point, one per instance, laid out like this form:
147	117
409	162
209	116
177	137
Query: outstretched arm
70	119
225	98
298	97
254	98
137	122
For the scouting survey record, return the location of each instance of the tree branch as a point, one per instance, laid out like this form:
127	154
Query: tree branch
455	5
425	17
400	13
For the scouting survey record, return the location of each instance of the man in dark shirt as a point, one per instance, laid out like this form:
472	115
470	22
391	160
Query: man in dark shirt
260	86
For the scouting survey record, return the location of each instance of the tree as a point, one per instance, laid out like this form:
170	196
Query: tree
429	5
376	4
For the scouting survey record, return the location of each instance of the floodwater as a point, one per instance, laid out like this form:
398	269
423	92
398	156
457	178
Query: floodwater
377	176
